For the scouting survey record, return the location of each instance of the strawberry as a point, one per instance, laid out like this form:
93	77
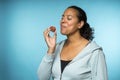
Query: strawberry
52	28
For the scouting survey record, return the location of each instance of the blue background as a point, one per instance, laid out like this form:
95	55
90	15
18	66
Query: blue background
22	23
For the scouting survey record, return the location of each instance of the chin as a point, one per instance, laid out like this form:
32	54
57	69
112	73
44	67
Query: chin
63	33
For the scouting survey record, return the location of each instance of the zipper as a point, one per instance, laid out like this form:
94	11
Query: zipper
63	71
61	76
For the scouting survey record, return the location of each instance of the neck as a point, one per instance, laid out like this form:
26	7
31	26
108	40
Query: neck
75	38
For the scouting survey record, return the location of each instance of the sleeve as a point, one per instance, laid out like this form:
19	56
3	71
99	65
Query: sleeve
99	68
44	70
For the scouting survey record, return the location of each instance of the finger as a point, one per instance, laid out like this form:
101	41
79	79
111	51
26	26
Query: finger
46	35
46	32
55	34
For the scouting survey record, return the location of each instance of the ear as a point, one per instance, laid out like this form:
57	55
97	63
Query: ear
80	24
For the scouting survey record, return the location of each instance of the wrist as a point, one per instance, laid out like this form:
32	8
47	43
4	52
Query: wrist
51	50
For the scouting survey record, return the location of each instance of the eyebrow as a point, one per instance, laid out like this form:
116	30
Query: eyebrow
66	15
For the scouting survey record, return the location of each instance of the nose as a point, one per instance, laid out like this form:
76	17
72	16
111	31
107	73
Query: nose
62	20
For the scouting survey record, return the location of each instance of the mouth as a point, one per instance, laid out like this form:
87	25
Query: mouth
63	26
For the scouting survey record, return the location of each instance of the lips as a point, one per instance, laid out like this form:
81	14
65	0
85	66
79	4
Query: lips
63	26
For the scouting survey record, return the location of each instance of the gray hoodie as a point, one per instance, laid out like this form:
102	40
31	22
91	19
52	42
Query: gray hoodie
89	64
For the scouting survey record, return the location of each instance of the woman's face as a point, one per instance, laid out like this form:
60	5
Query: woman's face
69	23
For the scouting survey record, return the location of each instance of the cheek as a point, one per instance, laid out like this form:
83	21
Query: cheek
72	26
69	30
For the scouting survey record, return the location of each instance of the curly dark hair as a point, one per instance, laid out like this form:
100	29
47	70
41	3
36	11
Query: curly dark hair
86	31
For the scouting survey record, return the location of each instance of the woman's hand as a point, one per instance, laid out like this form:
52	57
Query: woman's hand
51	41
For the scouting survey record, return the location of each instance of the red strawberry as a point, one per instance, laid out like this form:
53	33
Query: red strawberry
52	28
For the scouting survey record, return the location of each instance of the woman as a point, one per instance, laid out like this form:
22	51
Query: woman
77	57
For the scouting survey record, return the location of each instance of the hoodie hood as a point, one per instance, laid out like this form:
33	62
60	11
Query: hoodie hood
88	50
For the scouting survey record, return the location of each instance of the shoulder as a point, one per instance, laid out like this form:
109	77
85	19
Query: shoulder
93	47
96	48
96	51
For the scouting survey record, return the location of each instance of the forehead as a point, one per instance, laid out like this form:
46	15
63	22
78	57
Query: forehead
70	11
